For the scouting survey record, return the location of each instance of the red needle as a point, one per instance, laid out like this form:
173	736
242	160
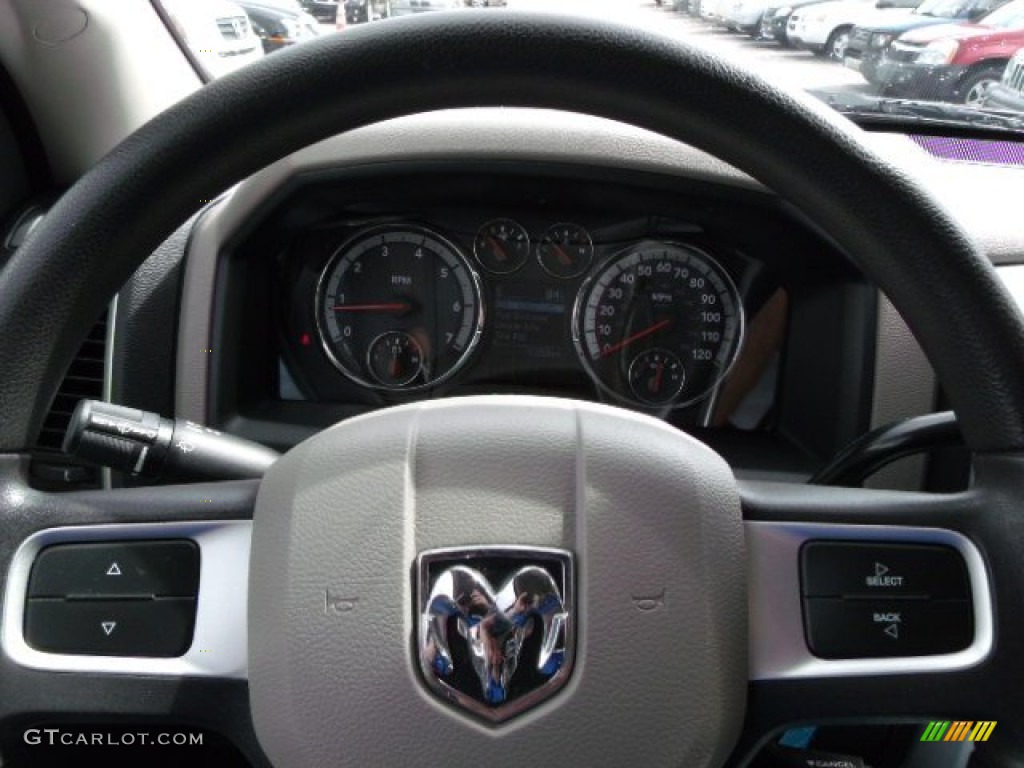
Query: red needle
563	257
635	337
496	244
394	307
656	382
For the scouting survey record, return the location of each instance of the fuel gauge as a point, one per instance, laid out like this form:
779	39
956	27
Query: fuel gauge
565	250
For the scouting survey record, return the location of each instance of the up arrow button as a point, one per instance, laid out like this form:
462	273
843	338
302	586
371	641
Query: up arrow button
120	569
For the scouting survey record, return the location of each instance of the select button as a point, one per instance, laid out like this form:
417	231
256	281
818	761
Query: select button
845	569
850	629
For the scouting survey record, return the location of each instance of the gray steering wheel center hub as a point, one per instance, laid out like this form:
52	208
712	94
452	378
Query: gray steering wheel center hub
645	519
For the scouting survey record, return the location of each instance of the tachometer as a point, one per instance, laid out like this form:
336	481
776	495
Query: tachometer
659	324
398	308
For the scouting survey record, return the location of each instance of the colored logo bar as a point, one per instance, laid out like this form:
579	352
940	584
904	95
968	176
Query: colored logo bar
959	730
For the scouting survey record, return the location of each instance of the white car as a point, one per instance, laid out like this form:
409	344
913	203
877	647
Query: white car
1008	94
824	28
713	10
217	32
408	7
745	15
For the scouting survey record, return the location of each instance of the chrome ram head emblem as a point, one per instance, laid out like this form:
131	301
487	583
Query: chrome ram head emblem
495	651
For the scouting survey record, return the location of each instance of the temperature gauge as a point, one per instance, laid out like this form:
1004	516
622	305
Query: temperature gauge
565	250
656	376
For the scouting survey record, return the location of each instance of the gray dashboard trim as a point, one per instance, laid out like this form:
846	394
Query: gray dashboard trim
219	644
195	318
777	646
905	384
904	387
1013	279
108	374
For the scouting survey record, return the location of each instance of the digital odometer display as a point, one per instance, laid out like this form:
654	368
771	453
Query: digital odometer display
398	308
659	324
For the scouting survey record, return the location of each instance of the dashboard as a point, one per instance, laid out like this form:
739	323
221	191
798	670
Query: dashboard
634	310
220	325
711	307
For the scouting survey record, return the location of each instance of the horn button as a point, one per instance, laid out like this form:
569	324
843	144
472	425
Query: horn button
521	578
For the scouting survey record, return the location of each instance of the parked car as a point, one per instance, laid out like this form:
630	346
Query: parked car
324	11
776	18
278	27
362	11
407	7
869	42
745	15
953	62
712	10
1008	93
217	32
825	28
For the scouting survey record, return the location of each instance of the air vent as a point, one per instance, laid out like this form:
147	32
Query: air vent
51	469
84	379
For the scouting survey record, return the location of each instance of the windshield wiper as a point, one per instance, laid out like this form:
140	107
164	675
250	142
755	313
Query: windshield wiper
866	110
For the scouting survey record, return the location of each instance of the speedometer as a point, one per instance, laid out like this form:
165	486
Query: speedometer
398	308
659	324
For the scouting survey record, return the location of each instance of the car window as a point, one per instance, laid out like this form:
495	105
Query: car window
859	56
946	9
1008	17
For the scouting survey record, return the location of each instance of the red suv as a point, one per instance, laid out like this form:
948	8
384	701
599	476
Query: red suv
953	62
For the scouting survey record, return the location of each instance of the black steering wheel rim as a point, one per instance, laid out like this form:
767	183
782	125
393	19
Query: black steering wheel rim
102	229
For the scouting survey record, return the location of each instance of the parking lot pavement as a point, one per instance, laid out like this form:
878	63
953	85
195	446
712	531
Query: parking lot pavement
784	67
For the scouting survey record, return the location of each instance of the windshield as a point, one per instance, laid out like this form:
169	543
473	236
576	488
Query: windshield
942	61
943	9
1008	17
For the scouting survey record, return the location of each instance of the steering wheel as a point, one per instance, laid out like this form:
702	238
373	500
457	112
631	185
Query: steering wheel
356	506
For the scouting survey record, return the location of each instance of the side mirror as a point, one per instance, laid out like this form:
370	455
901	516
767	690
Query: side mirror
976	13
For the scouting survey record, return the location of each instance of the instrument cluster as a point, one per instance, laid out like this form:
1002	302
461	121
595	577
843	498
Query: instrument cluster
402	307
